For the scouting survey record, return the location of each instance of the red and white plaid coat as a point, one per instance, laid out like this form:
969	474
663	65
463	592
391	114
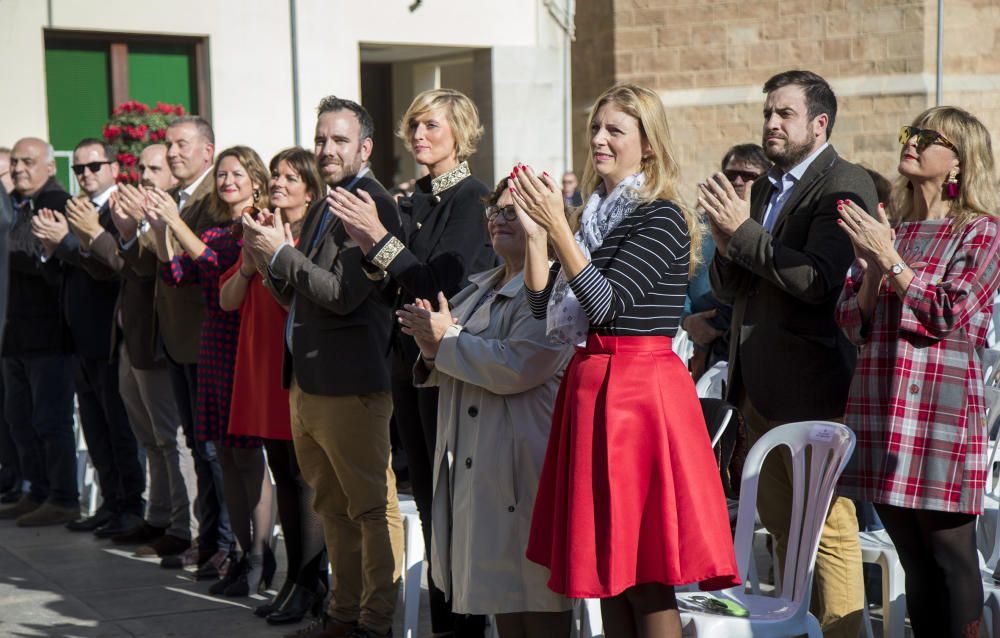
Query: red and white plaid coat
916	400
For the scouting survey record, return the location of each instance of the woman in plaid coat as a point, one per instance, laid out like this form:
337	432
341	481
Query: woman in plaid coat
917	302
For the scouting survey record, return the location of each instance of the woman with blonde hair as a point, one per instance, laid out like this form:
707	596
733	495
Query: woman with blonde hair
200	259
630	503
446	241
918	303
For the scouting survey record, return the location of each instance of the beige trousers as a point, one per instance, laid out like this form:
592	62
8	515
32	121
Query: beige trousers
342	445
838	596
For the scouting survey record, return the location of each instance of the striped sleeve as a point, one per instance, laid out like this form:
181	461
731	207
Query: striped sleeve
538	300
643	258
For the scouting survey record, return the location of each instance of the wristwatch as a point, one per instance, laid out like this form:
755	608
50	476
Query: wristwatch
898	268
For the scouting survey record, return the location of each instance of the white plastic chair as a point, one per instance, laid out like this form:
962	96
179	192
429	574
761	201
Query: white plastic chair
828	445
711	384
877	549
413	564
588	614
989	359
991	589
682	345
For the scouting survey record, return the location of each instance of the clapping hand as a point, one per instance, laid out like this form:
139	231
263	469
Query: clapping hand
161	209
725	209
540	199
266	234
84	219
425	325
50	227
872	238
360	216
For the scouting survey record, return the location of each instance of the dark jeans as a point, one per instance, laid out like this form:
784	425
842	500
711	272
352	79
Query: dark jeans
10	467
110	441
214	531
415	411
38	405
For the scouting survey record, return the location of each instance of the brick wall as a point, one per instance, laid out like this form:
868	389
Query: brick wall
708	60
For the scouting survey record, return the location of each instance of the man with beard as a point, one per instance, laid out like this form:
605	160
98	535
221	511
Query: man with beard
336	365
781	261
142	371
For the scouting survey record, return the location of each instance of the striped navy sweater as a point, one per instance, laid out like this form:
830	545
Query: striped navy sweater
636	281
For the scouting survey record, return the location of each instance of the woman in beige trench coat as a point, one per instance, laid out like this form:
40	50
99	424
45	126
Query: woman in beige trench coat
498	377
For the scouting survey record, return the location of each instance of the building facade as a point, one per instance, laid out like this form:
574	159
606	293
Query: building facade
258	68
709	59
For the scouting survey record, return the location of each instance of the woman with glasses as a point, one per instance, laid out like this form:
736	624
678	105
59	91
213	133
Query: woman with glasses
917	302
200	259
498	377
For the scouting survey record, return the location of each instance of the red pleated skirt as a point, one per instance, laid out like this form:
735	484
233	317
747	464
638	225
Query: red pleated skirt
630	492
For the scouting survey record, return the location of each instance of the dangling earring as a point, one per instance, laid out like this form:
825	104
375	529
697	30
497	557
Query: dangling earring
951	186
256	195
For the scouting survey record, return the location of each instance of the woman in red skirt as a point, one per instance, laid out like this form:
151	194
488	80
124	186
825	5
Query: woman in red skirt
630	503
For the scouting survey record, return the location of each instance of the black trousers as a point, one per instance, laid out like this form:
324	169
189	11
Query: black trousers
110	442
214	530
10	467
38	404
415	411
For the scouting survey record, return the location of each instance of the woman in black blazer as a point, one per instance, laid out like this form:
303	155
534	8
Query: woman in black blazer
445	241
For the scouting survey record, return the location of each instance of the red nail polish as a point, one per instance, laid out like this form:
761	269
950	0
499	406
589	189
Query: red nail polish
516	169
840	221
840	201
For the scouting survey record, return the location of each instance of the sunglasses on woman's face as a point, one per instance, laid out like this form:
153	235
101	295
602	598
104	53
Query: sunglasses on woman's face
508	212
925	137
236	228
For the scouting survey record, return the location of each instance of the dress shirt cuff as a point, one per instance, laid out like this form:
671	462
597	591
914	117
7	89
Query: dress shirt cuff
274	257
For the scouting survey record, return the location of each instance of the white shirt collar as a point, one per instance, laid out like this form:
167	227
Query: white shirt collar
193	186
102	198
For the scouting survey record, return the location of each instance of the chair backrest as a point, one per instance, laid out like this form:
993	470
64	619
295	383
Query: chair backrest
989	360
820	451
682	345
718	414
712	384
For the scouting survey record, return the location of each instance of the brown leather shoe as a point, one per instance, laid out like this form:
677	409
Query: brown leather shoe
324	627
25	505
49	514
166	545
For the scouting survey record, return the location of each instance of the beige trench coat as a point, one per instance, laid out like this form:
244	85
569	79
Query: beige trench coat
499	378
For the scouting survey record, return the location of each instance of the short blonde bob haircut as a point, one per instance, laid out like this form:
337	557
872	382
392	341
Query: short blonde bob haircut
462	114
977	194
659	167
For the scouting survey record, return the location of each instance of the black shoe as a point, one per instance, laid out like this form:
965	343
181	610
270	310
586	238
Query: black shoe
12	495
90	523
210	564
166	545
237	571
119	525
296	605
263	611
142	535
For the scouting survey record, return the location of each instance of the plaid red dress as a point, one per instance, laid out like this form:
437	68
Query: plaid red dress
916	401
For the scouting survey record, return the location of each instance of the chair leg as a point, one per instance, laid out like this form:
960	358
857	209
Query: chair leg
812	627
413	563
893	599
867	619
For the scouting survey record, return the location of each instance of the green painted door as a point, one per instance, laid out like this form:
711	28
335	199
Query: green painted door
162	73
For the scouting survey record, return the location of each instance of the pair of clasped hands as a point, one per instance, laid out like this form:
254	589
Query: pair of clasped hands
129	206
538	202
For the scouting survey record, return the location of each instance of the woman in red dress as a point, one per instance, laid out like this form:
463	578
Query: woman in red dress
260	403
240	178
630	502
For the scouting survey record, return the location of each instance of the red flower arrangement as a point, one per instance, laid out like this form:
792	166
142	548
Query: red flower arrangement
132	127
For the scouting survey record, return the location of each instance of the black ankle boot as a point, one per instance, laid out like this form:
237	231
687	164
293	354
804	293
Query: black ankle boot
296	605
272	605
236	569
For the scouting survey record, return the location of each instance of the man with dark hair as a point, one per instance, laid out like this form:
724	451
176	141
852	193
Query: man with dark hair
88	303
37	370
781	262
337	339
705	318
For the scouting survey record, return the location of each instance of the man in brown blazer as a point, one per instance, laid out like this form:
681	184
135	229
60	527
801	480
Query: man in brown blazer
337	341
144	381
781	262
190	152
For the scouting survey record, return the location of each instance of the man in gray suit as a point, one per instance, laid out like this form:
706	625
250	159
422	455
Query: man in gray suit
781	262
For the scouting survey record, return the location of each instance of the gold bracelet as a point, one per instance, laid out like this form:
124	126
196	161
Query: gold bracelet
388	252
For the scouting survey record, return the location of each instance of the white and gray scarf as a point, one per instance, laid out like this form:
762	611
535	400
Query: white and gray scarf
566	322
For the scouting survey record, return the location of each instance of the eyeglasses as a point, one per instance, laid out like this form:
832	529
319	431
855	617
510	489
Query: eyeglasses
93	166
746	176
925	137
236	228
509	213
